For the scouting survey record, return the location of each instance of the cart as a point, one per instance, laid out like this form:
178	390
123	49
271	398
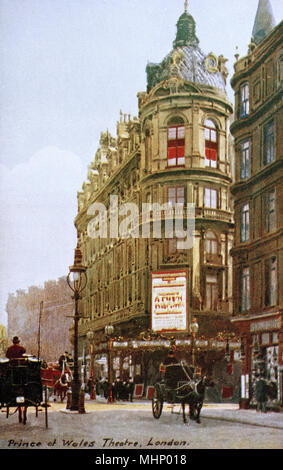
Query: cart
21	386
173	387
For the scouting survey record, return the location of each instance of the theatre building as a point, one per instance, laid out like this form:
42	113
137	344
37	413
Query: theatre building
154	292
258	195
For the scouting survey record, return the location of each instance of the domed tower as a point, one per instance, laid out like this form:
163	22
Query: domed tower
163	274
186	158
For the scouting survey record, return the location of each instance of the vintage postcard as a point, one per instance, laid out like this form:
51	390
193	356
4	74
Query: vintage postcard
141	275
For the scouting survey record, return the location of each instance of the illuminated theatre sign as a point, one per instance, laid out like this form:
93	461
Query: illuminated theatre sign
169	301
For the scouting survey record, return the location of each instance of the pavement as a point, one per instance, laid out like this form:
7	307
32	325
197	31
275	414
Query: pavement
222	411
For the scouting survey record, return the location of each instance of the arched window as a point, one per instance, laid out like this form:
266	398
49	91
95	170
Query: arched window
211	243
176	143
211	144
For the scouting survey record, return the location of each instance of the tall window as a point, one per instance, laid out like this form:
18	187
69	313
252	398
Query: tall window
211	292
245	290
270	274
245	223
211	243
211	144
245	164
244	100
270	205
176	194
210	198
269	143
176	145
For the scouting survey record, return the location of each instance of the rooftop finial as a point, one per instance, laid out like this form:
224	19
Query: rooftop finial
186	6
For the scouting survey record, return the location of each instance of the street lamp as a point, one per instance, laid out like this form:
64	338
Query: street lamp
194	327
109	331
90	336
76	280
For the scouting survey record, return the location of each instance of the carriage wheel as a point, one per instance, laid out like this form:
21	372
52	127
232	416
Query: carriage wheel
157	403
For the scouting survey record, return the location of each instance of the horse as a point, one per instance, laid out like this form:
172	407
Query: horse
22	414
194	397
62	385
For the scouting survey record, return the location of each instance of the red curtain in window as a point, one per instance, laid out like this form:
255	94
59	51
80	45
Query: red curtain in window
211	153
176	145
211	144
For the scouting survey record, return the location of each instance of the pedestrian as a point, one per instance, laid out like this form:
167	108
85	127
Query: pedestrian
261	393
106	388
131	387
15	351
114	391
61	361
119	389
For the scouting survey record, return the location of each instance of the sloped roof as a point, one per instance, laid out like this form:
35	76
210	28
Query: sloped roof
264	21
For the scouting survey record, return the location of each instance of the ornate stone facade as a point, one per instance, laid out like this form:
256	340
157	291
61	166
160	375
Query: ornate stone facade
177	150
257	254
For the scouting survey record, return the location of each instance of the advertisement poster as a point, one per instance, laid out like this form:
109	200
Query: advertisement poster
169	301
131	334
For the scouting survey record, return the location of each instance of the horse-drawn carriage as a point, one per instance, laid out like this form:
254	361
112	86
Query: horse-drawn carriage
57	380
180	386
21	386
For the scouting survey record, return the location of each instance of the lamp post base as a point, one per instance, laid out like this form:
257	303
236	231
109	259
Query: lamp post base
76	387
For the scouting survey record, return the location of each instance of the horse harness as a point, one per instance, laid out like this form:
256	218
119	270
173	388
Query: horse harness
191	383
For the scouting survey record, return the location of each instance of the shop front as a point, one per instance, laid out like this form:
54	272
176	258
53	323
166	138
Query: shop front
139	360
262	351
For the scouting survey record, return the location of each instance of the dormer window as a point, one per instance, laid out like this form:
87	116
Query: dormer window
211	144
176	145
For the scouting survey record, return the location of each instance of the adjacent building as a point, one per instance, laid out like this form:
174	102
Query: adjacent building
3	341
258	198
40	313
177	157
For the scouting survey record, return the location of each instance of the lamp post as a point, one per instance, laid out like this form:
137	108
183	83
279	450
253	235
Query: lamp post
76	280
90	336
109	330
194	327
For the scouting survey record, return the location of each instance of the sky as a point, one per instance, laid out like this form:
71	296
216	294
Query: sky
67	69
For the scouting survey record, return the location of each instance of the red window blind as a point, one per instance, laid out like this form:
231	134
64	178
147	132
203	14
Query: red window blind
211	146
176	145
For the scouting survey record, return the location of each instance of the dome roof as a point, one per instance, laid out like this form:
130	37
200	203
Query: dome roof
187	61
186	31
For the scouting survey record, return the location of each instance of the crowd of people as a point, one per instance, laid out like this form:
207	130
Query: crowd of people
122	390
